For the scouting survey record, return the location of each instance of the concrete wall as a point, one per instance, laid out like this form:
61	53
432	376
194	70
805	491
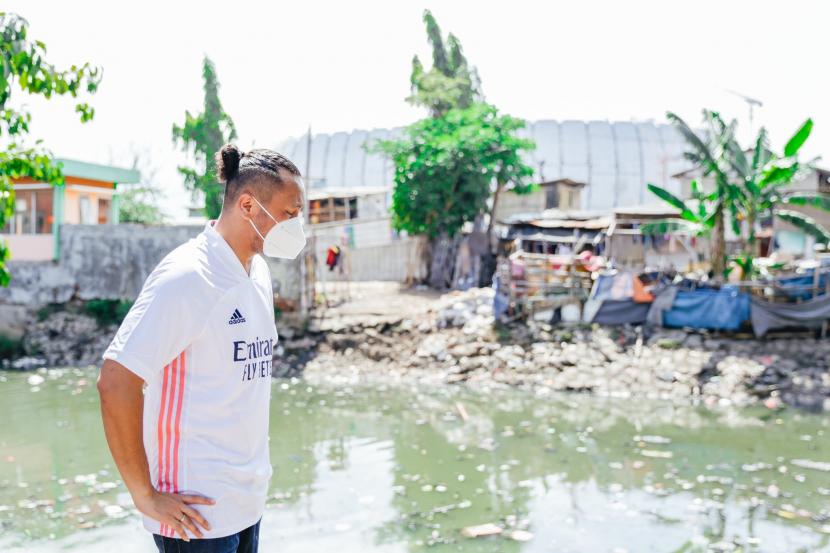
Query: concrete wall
357	234
29	247
399	261
111	262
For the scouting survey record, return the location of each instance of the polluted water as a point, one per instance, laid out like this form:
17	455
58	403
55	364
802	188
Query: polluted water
362	467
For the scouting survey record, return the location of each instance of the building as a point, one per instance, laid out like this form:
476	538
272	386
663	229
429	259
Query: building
626	246
613	160
356	218
88	197
563	194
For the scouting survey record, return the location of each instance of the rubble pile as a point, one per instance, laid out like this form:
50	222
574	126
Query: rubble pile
458	341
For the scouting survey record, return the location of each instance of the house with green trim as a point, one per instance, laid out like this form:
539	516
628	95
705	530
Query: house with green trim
88	197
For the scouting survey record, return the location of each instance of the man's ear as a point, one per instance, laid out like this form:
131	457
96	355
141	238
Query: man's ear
246	205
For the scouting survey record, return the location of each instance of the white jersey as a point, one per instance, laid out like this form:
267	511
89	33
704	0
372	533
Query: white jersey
201	335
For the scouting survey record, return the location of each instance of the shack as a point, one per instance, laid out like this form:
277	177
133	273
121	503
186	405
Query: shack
89	196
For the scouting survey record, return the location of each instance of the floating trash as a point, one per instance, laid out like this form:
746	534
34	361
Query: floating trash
481	530
657	454
652	439
814	465
114	511
521	535
755	467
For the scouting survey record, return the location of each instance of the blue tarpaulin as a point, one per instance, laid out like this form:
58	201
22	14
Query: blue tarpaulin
801	287
722	309
618	312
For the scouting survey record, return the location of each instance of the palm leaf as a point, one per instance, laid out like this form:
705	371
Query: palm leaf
805	223
699	196
671	226
695	188
674	201
799	138
819	201
709	221
702	152
779	172
731	150
761	154
735	220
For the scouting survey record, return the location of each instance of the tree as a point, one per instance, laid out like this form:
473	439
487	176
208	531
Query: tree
764	179
25	68
204	135
747	187
445	166
450	83
448	165
139	203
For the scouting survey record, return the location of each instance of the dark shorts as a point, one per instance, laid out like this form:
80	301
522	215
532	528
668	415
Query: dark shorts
246	541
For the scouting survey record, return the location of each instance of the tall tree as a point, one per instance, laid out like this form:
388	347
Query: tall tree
203	135
450	83
449	165
445	168
26	69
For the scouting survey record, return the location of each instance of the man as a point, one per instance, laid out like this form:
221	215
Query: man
186	383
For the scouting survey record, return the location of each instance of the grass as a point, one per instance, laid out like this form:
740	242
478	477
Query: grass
107	312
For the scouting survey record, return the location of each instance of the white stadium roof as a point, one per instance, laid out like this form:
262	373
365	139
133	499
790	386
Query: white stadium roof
615	159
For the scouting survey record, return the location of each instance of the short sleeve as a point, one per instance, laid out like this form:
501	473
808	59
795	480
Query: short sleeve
161	324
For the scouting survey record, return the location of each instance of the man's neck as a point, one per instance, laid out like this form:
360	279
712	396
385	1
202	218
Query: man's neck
236	238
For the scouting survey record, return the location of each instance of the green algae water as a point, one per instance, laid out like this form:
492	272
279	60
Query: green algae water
378	468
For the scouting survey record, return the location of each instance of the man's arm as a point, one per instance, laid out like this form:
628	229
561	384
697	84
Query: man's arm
122	409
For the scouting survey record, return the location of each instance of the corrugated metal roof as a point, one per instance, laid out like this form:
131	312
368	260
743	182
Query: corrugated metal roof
99	172
615	159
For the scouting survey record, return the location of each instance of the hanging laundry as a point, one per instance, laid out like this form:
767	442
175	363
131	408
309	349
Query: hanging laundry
332	257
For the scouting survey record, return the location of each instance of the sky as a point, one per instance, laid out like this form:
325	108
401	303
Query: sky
334	65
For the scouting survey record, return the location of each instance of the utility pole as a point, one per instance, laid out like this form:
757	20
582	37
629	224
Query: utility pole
752	103
305	274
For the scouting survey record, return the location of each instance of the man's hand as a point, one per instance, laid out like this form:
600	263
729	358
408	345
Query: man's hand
122	408
175	511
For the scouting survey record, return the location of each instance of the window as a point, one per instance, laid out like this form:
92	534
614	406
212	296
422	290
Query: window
32	212
340	209
326	210
551	196
44	213
104	210
317	211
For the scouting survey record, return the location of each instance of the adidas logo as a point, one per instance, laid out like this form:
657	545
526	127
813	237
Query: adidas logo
236	318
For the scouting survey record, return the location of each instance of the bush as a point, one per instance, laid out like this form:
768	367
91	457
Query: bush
48	310
107	312
10	348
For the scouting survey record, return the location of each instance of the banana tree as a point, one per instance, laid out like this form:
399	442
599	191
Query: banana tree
707	153
764	180
746	188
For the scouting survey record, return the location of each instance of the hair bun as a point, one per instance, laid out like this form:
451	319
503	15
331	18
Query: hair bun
227	162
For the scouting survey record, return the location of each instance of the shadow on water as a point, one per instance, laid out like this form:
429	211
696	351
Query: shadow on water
393	469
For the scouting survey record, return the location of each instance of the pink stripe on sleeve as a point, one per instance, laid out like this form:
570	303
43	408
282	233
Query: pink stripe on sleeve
177	426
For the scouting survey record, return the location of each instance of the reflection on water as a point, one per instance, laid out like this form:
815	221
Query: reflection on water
372	468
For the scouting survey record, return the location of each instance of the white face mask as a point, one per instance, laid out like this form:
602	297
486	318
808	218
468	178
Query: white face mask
285	240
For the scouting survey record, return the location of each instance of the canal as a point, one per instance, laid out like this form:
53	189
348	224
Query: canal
378	468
